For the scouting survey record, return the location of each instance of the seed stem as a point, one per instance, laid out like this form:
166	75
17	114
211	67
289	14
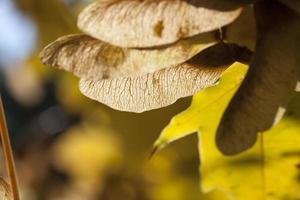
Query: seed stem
8	154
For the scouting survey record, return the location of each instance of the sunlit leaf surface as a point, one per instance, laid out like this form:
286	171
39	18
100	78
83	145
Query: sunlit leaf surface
205	105
254	174
272	173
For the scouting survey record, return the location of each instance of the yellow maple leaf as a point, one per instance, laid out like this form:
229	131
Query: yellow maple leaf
269	170
209	101
249	175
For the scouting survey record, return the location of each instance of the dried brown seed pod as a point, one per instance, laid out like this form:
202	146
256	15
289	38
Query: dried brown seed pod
164	87
272	78
148	23
90	58
151	91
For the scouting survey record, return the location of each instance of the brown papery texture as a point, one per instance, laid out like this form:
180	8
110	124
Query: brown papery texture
151	91
148	23
271	79
91	58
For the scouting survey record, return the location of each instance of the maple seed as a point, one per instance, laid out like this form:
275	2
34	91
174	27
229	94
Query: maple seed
270	82
119	22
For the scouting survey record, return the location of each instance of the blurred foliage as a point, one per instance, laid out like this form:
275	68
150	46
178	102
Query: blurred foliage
69	147
52	17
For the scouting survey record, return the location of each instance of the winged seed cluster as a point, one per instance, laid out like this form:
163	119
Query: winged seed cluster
138	55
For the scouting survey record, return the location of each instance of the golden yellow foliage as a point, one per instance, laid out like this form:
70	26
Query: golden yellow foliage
254	174
88	152
209	102
269	170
